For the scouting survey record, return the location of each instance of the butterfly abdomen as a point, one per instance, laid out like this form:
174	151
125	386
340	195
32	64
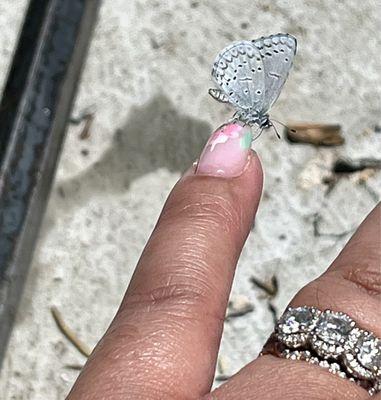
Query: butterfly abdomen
219	95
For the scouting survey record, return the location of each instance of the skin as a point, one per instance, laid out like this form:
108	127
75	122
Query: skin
163	341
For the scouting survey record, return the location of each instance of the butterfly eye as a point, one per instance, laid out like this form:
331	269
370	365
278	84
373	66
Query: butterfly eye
286	59
258	92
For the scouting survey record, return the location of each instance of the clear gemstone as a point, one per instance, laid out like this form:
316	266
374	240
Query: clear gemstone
369	352
296	320
333	327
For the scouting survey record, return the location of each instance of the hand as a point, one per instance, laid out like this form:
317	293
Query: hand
164	340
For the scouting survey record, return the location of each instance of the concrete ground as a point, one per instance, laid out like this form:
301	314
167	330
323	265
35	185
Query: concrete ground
147	77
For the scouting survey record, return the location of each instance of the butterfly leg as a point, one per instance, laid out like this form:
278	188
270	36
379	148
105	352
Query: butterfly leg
233	119
259	134
271	125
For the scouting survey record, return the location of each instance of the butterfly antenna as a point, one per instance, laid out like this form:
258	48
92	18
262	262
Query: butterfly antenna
281	123
276	131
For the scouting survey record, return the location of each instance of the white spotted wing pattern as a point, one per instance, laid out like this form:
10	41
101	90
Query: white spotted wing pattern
250	75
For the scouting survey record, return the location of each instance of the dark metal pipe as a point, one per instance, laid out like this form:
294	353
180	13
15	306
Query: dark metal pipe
34	112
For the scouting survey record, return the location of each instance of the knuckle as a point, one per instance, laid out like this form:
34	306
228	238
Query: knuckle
175	300
166	311
361	266
362	251
319	292
365	275
360	280
176	293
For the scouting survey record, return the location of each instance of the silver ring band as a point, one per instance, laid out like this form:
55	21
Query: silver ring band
331	340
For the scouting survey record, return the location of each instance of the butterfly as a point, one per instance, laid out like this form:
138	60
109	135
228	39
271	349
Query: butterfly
250	76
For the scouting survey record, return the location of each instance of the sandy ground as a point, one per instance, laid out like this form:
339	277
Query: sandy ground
147	77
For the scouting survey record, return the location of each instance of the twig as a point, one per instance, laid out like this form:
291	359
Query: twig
221	369
221	378
86	131
347	166
316	222
238	306
270	288
69	333
74	367
274	312
88	116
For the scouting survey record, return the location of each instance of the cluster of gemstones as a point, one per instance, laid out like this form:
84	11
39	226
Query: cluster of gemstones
332	340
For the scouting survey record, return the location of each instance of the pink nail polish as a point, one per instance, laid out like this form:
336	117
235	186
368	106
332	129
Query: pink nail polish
226	152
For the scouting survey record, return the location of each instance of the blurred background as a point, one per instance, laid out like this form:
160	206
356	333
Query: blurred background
140	119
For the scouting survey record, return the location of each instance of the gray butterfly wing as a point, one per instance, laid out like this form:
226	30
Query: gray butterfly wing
277	53
238	70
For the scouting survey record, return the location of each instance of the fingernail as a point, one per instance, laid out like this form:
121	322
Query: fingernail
227	151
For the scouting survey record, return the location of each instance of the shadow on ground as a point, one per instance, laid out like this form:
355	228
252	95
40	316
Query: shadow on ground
154	136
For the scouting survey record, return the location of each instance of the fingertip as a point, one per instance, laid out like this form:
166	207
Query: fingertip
249	181
242	192
253	164
255	168
227	151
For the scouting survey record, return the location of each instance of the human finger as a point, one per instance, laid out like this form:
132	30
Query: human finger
164	339
351	285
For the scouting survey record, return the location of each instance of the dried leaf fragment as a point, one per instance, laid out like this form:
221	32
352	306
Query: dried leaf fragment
315	134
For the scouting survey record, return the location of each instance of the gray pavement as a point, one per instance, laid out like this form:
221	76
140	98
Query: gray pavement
147	77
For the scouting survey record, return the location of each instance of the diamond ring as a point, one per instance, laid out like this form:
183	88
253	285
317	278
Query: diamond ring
331	340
